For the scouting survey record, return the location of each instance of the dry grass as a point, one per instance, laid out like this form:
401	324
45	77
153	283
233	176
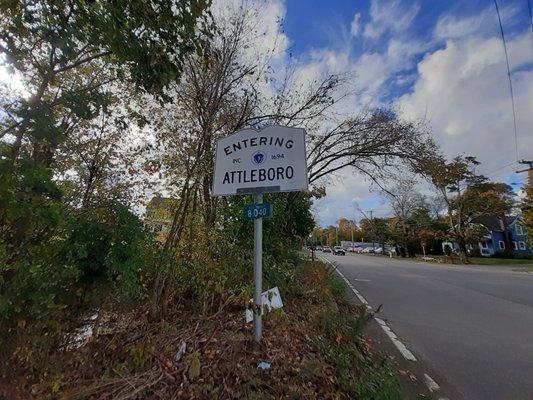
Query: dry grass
220	361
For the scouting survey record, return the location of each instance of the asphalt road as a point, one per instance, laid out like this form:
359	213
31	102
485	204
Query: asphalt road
471	326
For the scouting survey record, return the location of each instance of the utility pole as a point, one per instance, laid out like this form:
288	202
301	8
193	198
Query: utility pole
528	170
373	231
336	236
527	208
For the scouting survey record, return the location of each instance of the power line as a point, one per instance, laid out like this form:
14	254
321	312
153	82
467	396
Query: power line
508	76
492	172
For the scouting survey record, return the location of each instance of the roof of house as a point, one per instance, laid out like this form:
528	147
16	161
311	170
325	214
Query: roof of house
493	224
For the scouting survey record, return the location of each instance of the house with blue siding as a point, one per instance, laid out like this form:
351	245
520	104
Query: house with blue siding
494	241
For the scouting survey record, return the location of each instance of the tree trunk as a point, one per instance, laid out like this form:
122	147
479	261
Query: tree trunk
209	201
463	256
158	306
175	234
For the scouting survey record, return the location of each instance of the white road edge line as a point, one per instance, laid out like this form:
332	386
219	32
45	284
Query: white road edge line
429	381
431	384
388	331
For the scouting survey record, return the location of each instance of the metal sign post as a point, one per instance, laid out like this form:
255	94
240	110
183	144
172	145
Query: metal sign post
258	273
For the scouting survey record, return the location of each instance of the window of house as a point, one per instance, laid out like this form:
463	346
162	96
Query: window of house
522	245
501	244
484	245
515	245
519	230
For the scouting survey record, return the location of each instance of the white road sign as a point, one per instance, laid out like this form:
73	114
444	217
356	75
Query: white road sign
270	160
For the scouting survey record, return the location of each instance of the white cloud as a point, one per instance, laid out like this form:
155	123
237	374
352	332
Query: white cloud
355	26
369	72
344	195
375	69
265	39
389	16
450	26
463	92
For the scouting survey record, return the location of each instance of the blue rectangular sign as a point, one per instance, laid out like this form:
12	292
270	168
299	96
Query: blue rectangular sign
257	210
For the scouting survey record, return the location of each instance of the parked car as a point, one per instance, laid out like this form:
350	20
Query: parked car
367	250
387	251
339	251
326	249
357	249
390	250
318	248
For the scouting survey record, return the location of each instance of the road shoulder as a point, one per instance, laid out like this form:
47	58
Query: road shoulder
415	380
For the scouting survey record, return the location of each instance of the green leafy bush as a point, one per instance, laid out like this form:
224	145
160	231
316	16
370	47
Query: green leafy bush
53	257
108	242
207	268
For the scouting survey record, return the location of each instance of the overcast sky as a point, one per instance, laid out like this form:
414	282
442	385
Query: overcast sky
442	61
